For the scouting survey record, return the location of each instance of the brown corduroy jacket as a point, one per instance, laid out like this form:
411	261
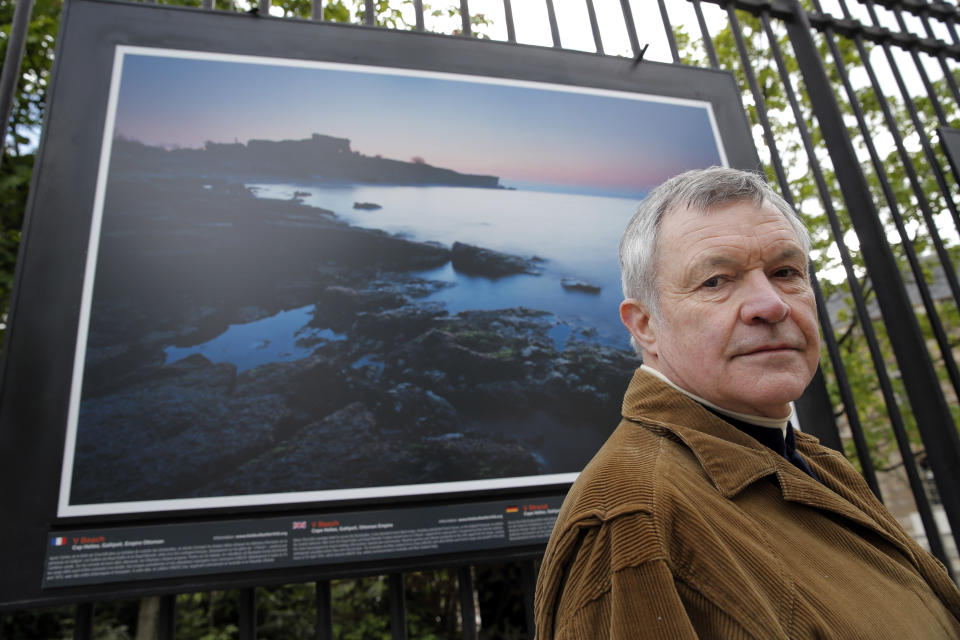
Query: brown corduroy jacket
683	526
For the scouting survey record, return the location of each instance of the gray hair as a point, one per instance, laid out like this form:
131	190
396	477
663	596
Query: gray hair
699	190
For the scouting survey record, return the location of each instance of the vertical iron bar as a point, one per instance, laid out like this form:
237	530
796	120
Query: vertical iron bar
758	100
508	18
863	451
814	407
813	410
936	325
910	466
918	125
843	7
207	4
264	7
554	28
316	10
910	169
594	26
369	13
16	45
247	613
464	18
398	608
83	621
668	28
324	611
916	268
934	99
418	9
929	406
468	611
941	58
528	578
934	166
906	161
953	30
167	617
631	27
705	34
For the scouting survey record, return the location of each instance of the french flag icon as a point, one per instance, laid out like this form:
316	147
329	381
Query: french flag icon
58	542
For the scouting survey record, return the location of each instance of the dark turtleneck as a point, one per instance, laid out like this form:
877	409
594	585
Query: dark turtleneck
772	439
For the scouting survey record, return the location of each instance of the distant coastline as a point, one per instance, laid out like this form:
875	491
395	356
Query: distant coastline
318	158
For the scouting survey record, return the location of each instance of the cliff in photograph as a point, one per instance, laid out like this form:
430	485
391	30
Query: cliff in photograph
319	158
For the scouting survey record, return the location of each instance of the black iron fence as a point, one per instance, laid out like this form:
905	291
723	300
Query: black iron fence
853	106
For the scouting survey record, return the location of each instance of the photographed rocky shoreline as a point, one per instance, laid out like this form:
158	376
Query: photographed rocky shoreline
407	393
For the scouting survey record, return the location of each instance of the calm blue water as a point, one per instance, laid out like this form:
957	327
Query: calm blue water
250	345
576	235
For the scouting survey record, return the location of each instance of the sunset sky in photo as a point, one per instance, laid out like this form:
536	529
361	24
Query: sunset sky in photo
532	136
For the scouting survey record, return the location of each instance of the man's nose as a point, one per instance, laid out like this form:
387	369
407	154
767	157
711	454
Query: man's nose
762	300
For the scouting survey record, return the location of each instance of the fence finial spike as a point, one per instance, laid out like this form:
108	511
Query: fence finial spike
639	57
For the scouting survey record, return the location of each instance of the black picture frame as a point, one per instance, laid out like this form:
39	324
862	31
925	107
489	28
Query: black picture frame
38	360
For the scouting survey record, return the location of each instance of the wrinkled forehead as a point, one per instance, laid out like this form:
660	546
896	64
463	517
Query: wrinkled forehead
733	222
703	208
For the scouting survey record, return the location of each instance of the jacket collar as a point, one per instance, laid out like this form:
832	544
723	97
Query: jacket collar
732	459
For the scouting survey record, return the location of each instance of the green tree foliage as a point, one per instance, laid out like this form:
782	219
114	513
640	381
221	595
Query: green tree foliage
16	165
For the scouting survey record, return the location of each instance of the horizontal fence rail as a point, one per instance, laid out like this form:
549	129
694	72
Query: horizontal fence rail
849	104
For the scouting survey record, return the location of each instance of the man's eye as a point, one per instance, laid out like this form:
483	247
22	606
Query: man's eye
711	283
785	272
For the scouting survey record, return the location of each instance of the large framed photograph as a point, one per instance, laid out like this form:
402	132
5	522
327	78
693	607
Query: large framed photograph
275	265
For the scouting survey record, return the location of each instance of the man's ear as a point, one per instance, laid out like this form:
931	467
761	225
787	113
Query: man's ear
641	325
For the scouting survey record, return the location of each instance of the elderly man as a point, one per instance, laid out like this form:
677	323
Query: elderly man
705	514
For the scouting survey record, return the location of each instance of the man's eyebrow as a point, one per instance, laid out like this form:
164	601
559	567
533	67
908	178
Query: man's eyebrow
790	253
717	260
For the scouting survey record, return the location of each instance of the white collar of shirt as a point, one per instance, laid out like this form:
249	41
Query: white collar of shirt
760	421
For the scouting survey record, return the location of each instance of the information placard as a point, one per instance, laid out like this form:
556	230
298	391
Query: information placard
118	554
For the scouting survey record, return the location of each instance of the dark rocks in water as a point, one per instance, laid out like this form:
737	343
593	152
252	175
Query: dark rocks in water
167	431
570	284
337	307
477	261
367	206
352	448
348	246
316	387
448	353
206	430
409	320
413	411
318	456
